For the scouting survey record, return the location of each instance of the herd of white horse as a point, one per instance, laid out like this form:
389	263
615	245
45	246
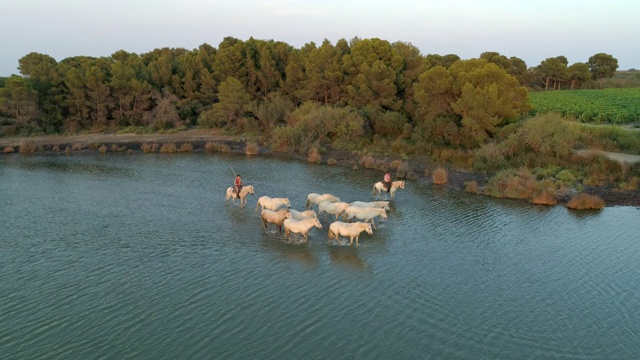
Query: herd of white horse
357	216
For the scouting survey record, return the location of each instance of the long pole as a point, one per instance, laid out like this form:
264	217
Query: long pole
234	173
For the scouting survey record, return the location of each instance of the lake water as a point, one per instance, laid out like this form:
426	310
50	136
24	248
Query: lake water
138	256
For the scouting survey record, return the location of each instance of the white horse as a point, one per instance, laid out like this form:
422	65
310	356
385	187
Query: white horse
244	192
334	208
365	214
316	199
272	203
379	187
376	204
300	227
299	215
352	230
274	217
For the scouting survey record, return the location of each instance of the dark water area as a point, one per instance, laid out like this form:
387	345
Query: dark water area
139	256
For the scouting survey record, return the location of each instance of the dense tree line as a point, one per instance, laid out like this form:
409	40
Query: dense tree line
367	90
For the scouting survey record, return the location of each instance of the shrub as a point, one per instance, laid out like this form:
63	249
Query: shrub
186	147
168	148
367	161
332	161
314	156
440	176
583	201
9	149
395	164
77	147
566	177
545	198
512	184
216	146
251	148
472	187
489	157
56	148
102	149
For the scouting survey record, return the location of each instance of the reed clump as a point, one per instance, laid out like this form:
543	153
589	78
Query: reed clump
251	148
148	148
186	147
314	156
440	176
9	150
169	148
102	149
217	146
472	187
332	161
544	198
584	201
27	147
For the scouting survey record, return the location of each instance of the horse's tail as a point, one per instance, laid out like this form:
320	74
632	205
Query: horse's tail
331	234
373	192
306	204
257	204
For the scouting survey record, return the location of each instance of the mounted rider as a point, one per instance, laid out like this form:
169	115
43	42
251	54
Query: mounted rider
387	181
237	186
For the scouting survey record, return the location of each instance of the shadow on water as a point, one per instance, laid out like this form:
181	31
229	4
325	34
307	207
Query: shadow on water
293	251
348	257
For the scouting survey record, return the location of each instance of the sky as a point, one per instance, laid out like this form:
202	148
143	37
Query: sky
531	30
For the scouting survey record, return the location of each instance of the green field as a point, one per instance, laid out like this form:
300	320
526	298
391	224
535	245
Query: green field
615	106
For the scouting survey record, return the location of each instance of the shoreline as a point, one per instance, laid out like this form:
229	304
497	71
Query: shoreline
198	138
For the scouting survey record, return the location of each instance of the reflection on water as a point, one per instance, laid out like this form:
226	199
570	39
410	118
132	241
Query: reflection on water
139	256
347	257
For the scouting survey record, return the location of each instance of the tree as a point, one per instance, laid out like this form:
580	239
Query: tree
602	66
374	72
19	100
578	72
473	96
552	70
234	101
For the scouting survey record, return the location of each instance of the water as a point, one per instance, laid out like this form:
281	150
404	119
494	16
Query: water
138	256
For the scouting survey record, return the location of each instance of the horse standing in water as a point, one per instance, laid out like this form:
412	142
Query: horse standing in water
379	187
352	230
244	192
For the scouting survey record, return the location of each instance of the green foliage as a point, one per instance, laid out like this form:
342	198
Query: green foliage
618	106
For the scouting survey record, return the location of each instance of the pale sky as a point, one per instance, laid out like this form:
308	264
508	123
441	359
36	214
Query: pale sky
532	30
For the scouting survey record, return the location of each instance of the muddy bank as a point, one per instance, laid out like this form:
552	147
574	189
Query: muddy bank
200	140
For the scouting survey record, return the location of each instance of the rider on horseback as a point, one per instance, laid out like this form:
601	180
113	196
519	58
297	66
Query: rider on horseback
237	186
387	181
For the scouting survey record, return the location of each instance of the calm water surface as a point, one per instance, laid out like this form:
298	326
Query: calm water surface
138	256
